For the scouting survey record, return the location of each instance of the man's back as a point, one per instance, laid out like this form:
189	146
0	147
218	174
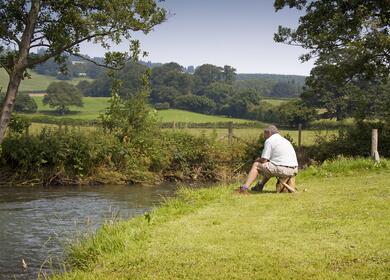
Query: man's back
279	151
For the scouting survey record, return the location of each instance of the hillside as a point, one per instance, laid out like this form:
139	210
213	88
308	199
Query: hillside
272	77
37	82
93	106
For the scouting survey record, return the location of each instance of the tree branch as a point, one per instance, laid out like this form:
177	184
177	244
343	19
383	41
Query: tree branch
94	62
66	48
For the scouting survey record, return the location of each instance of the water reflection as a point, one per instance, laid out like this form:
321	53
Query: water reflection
35	224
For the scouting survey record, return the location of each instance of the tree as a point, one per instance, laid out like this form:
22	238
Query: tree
296	112
284	89
62	95
195	103
350	41
229	74
205	75
350	34
23	103
60	26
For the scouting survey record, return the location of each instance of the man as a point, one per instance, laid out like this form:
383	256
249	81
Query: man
277	159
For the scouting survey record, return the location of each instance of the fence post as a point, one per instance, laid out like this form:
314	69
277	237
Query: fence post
374	145
230	132
173	125
299	135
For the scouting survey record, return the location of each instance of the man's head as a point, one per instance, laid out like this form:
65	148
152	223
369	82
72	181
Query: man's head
269	131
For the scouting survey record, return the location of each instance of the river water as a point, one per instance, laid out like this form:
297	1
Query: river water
36	224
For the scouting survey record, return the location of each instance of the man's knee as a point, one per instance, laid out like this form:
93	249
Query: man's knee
256	165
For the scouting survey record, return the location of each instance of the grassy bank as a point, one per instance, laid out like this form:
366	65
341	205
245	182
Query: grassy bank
337	229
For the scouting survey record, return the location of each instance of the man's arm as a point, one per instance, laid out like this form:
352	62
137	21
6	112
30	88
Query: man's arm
261	160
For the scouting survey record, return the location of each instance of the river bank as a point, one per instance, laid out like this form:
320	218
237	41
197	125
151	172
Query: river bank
335	227
37	224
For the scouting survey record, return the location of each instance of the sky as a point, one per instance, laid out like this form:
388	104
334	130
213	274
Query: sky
238	33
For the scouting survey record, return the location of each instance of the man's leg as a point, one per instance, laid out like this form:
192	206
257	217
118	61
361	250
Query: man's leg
252	175
260	185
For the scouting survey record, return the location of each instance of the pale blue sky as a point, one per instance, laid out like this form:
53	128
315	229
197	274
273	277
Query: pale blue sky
233	32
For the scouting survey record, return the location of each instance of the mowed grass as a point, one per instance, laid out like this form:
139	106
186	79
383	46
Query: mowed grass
37	82
336	227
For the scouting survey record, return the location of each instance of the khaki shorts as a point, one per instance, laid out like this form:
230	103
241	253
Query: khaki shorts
271	170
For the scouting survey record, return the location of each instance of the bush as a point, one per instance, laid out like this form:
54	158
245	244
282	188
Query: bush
190	156
19	124
162	106
23	103
64	151
352	141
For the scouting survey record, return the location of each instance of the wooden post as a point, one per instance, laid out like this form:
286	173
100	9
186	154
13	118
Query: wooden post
173	125
230	132
374	145
299	135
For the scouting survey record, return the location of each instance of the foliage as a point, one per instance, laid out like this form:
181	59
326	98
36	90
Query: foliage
195	103
285	90
352	141
60	27
19	124
61	95
60	151
190	157
350	41
23	103
350	34
295	112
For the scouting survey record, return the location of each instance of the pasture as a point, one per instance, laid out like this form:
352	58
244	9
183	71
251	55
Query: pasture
37	82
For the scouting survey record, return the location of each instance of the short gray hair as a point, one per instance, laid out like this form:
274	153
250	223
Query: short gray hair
271	129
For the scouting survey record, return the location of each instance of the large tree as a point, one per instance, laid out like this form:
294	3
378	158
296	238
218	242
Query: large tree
350	43
61	95
61	26
353	35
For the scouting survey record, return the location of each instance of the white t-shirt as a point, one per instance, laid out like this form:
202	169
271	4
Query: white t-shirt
279	151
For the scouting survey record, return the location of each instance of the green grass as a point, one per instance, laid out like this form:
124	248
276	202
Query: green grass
337	229
37	82
185	116
91	110
308	136
93	106
276	101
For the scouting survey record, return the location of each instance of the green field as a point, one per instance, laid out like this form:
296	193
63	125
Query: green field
36	83
91	110
93	106
308	136
276	101
336	227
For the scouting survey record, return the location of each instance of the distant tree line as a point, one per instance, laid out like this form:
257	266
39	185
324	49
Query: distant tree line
209	89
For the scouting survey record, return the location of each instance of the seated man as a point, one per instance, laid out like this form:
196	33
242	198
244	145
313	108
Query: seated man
278	159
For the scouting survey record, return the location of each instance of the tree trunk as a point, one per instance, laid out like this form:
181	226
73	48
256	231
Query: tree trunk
9	102
16	74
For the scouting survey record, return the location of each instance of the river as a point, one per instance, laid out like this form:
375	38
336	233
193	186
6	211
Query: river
36	224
